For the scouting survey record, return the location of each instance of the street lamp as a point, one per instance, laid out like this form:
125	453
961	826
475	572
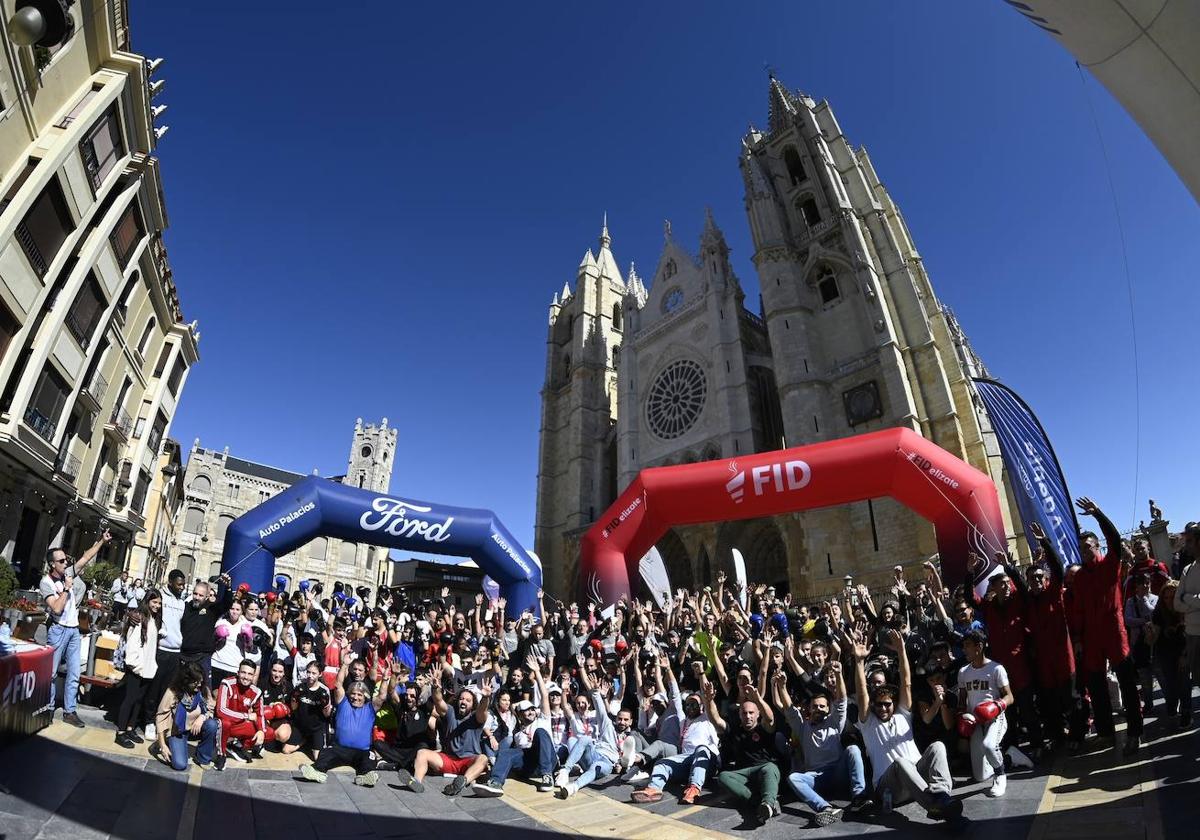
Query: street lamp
42	23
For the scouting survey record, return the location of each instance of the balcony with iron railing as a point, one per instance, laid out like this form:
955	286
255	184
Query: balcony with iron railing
40	423
119	423
102	492
68	465
93	392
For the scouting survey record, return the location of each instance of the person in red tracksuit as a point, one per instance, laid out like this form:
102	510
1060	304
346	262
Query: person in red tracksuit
1145	566
1003	613
240	710
1050	645
1100	615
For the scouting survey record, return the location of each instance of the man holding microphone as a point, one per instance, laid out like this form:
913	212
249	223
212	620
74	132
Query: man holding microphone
62	590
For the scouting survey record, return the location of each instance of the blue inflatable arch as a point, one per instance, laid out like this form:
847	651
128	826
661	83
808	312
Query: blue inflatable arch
317	507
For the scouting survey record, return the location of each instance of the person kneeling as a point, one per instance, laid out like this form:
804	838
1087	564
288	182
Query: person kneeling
181	714
240	710
352	728
983	688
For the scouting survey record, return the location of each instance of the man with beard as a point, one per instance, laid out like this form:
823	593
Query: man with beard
412	733
900	771
829	767
748	753
1101	620
462	739
199	621
352	729
699	753
169	639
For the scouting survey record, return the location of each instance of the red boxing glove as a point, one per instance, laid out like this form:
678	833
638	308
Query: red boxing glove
243	588
275	711
270	596
597	645
621	646
967	724
989	710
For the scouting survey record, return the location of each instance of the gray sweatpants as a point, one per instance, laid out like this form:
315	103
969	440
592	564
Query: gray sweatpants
926	781
655	751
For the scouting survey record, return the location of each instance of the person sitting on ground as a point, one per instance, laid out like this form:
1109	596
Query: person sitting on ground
461	753
828	767
532	750
240	710
182	713
748	752
312	706
984	694
352	729
699	752
412	732
900	772
599	751
663	734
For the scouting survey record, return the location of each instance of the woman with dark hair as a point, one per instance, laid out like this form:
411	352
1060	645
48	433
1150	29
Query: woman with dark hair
141	664
183	713
277	703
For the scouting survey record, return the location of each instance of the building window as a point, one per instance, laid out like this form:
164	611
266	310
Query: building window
186	564
156	434
676	399
669	270
140	491
8	329
176	377
79	108
84	316
807	208
795	167
193	521
234	489
45	227
616	316
201	484
49	397
346	556
144	341
223	523
827	285
318	548
102	147
161	365
616	356
127	234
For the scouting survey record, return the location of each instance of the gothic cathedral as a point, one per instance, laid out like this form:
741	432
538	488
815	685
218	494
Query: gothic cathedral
850	339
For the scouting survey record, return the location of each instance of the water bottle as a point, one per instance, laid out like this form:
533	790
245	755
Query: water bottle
886	807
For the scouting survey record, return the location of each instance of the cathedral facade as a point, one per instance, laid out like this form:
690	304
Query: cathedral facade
850	338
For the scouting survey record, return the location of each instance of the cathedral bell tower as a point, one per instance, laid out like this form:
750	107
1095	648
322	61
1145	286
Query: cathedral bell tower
577	451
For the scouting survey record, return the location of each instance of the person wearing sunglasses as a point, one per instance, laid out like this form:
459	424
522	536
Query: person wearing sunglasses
62	589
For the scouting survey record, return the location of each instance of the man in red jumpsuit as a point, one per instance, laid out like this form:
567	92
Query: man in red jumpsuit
1003	613
1145	566
1100	616
1050	646
240	711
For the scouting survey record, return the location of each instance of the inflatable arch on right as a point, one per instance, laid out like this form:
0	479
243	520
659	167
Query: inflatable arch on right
958	499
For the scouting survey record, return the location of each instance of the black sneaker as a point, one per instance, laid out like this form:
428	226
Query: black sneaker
859	804
218	762
123	740
1132	744
490	787
238	753
408	782
828	815
764	813
133	735
456	786
947	808
73	719
546	783
257	752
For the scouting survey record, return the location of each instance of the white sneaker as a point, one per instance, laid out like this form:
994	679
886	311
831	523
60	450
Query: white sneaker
151	732
628	751
637	777
999	785
562	777
1019	759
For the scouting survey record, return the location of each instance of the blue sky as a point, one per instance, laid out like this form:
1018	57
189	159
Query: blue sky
372	207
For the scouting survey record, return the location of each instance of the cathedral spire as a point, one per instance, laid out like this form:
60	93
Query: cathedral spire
588	260
566	292
781	106
605	239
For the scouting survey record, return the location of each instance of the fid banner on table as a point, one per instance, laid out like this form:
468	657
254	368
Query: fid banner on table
1033	469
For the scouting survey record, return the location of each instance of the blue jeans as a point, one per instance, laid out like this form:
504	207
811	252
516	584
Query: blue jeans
538	760
695	768
845	773
177	745
583	752
65	641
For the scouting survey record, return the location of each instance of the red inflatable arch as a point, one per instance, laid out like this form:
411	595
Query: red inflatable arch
958	499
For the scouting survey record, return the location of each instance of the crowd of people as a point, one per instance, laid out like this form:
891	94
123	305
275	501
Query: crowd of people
844	705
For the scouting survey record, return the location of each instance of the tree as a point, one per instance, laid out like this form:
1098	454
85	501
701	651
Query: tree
8	582
99	575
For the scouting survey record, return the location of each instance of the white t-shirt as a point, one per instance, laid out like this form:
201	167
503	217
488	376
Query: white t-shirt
821	745
69	617
983	683
886	742
523	739
698	732
120	591
229	656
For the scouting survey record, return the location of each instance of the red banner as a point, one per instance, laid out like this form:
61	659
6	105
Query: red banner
25	691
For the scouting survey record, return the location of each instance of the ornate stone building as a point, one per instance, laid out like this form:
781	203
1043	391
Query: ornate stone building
850	339
220	487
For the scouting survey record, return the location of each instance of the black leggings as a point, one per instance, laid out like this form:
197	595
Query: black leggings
1131	699
337	756
135	691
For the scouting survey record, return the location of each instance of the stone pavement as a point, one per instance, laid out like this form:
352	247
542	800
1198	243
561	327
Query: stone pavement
74	783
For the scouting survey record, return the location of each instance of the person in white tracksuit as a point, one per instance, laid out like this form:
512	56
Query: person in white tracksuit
984	694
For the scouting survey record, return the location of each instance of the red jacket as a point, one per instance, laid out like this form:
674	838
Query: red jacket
1007	635
1100	606
233	702
1049	640
1151	568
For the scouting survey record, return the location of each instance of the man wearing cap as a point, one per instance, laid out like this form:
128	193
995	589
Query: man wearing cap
699	752
1187	601
532	750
